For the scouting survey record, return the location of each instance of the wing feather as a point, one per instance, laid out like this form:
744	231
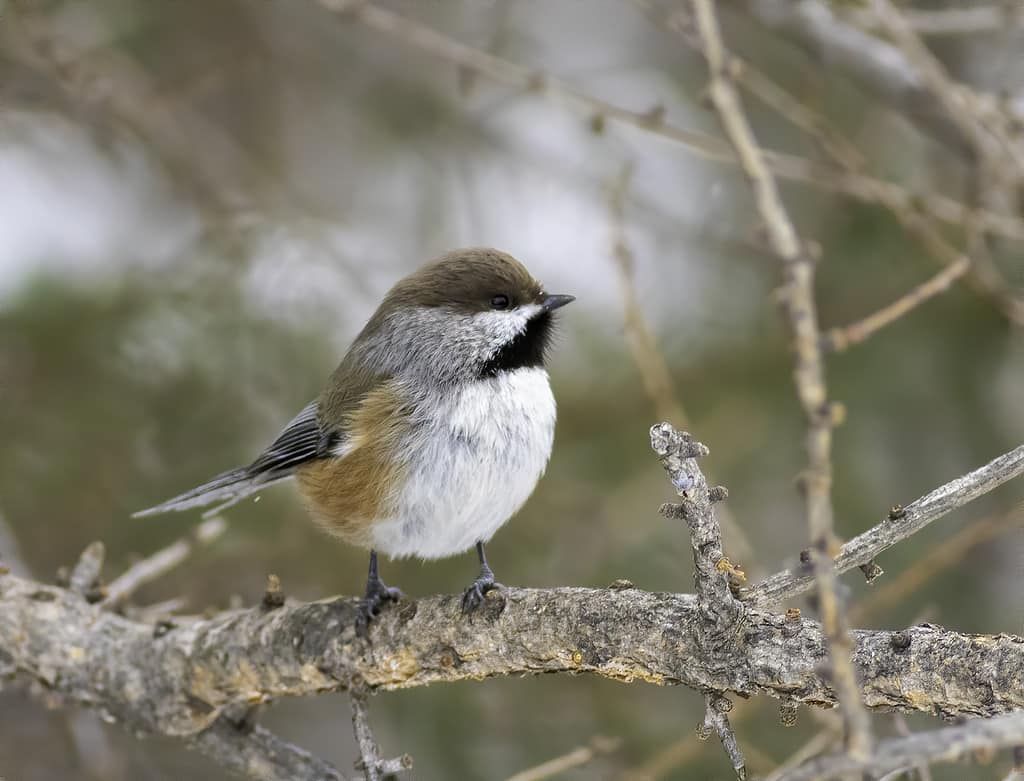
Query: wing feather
302	440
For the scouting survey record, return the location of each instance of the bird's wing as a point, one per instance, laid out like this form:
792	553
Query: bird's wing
303	439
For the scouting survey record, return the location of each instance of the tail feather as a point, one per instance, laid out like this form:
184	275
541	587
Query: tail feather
230	486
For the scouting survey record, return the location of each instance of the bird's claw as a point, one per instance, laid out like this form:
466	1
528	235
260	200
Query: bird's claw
474	596
377	596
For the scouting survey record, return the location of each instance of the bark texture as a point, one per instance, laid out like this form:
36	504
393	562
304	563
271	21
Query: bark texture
178	681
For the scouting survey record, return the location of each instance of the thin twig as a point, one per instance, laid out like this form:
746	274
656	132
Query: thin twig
86	571
844	337
798	301
163	561
649	360
708	147
942	745
961	105
900	523
922	770
578	757
259	754
716	719
10	553
368	752
374	768
819	742
936	560
848	158
947	21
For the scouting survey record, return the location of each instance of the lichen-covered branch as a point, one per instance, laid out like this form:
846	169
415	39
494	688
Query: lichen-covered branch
720	615
179	680
900	523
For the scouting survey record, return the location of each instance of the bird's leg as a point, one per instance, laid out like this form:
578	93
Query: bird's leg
377	595
474	595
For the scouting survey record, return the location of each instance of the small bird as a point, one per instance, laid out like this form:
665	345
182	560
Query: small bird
434	429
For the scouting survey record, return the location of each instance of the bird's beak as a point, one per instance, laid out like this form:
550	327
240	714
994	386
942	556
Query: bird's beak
551	303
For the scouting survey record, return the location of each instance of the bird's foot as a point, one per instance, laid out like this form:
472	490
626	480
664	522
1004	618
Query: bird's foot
377	596
474	596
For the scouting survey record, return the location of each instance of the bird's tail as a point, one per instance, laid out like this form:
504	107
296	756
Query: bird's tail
224	490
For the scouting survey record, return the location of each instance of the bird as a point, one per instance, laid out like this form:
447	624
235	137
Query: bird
433	430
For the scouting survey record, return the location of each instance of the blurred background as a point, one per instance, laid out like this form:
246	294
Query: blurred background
202	201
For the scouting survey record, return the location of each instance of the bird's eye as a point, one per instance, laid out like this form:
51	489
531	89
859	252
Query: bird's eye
500	302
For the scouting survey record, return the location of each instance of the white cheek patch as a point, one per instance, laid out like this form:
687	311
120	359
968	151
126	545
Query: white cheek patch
504	326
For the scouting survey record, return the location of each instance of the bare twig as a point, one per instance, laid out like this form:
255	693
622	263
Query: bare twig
649	360
922	770
900	523
679	452
576	758
10	552
368	752
708	147
842	338
163	561
259	754
946	21
86	572
876	65
820	741
962	107
716	720
942	745
798	301
934	561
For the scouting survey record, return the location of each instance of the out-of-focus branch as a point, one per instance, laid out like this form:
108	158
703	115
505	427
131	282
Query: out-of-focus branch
10	552
649	360
842	338
578	757
876	65
948	744
846	156
962	107
163	561
255	752
900	523
708	147
797	297
947	21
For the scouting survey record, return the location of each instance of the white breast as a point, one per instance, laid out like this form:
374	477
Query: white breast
471	465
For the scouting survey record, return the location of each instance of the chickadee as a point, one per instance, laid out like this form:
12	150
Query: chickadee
435	428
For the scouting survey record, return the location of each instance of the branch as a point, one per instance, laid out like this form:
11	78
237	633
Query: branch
877	66
721	616
840	339
942	745
179	682
798	302
531	81
162	562
901	523
598	746
258	753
